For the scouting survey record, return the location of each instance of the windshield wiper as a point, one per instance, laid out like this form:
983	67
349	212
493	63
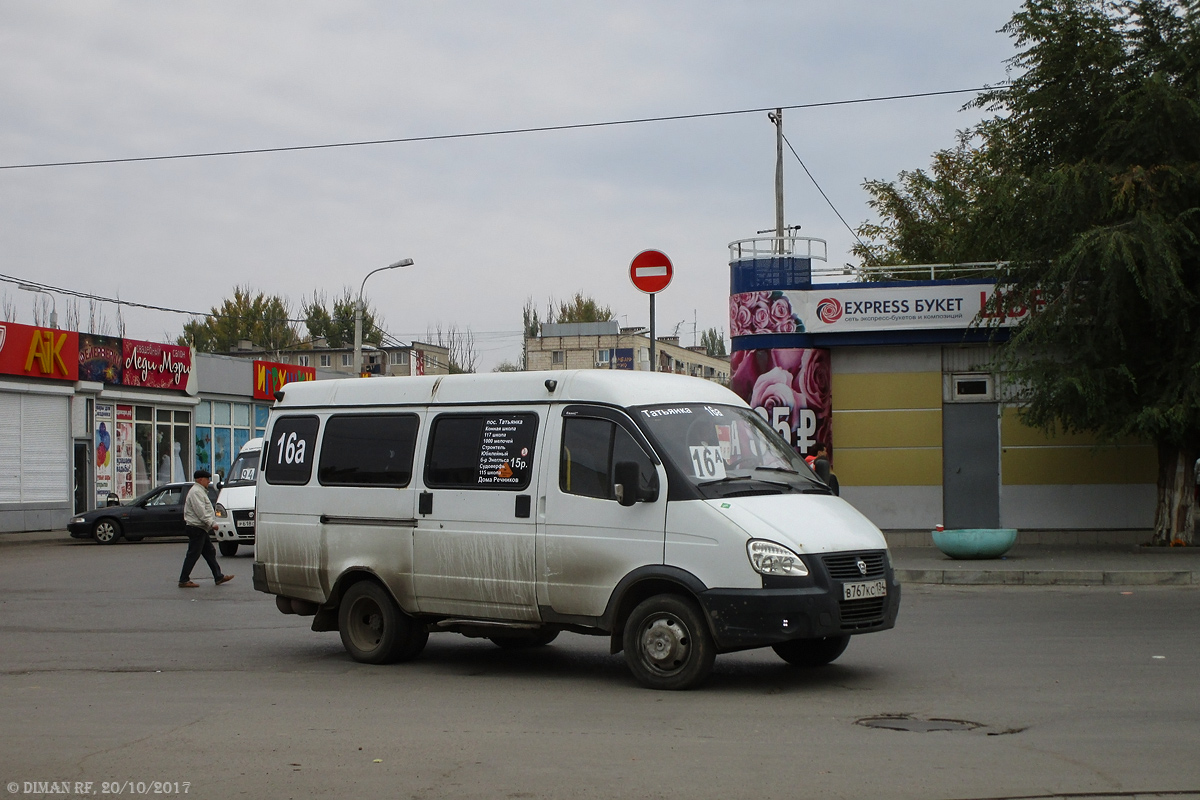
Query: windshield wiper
726	479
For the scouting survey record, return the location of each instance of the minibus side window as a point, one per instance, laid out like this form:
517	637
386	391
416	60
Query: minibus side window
368	450
481	451
591	449
586	457
289	453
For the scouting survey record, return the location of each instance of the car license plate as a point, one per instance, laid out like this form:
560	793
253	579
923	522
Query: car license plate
245	523
864	589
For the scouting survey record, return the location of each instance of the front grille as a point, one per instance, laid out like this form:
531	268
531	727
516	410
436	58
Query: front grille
243	515
857	614
844	566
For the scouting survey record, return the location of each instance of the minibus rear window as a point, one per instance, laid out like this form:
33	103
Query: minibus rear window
288	454
481	451
368	450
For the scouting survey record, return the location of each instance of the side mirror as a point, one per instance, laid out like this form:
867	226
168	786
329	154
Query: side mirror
112	500
626	476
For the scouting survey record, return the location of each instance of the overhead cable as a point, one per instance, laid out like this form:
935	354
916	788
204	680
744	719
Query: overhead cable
481	134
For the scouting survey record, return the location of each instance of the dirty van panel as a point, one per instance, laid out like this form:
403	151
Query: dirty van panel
288	532
473	552
591	540
367	498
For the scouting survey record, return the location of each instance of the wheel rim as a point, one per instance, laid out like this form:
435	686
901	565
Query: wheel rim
105	532
665	644
366	624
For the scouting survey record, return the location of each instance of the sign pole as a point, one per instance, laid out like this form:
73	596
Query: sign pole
653	362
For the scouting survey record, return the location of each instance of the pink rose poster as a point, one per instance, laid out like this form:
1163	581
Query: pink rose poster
790	389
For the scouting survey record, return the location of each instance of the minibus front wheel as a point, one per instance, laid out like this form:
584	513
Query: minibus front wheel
373	628
667	643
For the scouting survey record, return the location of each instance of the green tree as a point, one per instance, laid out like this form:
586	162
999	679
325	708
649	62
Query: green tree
931	217
1088	186
581	308
262	319
336	322
713	342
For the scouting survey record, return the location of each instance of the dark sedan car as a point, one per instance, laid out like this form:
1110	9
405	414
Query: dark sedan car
158	512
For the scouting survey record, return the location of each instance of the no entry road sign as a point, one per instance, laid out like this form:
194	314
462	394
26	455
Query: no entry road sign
650	271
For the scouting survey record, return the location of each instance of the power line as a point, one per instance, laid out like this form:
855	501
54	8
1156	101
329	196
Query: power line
480	134
827	200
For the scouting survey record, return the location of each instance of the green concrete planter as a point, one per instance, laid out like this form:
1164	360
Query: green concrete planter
975	542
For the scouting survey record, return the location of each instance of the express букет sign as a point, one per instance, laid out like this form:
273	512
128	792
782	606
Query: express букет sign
35	352
270	377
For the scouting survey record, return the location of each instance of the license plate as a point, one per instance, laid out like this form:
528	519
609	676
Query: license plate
245	523
864	589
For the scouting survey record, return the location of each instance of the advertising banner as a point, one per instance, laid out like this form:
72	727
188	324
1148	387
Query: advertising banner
38	352
103	451
156	366
123	453
101	358
623	358
845	308
789	388
270	377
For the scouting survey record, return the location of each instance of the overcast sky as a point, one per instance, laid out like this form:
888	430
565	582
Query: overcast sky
489	221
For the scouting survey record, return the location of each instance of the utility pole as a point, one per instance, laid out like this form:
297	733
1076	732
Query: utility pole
777	119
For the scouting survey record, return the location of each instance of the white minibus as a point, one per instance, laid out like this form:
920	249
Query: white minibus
657	510
235	503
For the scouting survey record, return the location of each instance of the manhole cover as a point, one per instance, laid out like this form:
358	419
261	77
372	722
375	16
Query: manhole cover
917	725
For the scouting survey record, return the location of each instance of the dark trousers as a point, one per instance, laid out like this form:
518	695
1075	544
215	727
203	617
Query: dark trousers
199	545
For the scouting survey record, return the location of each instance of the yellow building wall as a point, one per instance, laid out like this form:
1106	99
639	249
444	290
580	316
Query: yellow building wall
1030	457
887	428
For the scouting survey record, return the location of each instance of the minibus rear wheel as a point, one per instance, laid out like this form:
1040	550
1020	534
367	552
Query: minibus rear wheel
667	643
811	652
374	630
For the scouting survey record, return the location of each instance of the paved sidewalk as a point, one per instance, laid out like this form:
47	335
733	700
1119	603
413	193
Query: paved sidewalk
1047	565
1024	565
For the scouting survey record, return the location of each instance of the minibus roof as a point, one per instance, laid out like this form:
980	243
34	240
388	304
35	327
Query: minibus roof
610	387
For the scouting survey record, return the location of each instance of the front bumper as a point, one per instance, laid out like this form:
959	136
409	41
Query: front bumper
800	608
227	532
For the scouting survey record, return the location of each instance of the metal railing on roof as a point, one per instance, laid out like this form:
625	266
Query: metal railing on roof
775	246
930	272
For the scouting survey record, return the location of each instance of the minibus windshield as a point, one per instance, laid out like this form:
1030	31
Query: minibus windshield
727	451
244	471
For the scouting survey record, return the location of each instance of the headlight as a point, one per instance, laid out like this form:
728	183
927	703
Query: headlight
76	520
220	509
769	558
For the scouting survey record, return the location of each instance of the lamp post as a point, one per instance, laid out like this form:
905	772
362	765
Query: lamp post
358	312
53	306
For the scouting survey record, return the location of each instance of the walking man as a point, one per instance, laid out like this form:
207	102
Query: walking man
199	519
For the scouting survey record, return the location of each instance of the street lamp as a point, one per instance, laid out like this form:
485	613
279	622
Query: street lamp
358	312
53	306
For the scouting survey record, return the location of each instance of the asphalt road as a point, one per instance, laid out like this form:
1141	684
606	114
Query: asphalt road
109	673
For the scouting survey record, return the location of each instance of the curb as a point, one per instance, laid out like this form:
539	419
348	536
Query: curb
1012	577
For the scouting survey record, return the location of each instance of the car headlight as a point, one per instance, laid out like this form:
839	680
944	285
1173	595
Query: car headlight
769	558
220	509
76	520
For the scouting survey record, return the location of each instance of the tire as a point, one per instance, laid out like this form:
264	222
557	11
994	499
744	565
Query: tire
228	549
106	531
374	630
519	641
811	652
667	643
